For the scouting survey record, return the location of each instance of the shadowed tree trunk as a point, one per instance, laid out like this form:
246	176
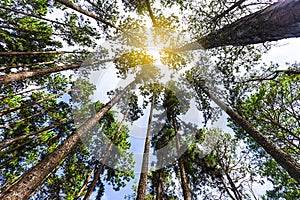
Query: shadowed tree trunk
87	13
144	171
282	158
7	78
183	179
25	185
107	151
4	112
277	21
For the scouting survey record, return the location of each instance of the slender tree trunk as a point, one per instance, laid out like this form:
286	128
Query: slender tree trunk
23	30
15	140
160	186
107	150
223	14
12	53
4	112
227	189
144	171
26	65
282	158
233	187
23	187
7	78
151	13
278	21
24	143
32	15
87	180
183	179
87	13
23	92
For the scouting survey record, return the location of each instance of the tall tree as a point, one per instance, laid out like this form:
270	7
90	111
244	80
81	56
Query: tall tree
284	159
255	28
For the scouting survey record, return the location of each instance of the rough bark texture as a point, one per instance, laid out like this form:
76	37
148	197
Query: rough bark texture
160	186
23	187
183	179
40	72
282	158
103	161
144	171
277	21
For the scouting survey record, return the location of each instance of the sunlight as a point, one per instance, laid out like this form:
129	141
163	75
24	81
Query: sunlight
155	53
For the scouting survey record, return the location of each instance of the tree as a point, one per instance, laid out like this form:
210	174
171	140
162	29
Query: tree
23	188
271	107
284	159
255	28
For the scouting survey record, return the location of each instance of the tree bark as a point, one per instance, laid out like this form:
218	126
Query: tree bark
151	13
27	65
7	78
144	171
184	182
32	15
107	150
23	187
87	180
278	21
282	158
7	143
87	13
11	53
4	112
160	186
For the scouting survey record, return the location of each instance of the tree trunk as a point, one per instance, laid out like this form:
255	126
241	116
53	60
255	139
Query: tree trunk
160	186
40	72
32	15
87	13
107	150
183	179
151	13
26	65
278	21
282	158
23	187
87	180
7	143
12	53
4	112
144	171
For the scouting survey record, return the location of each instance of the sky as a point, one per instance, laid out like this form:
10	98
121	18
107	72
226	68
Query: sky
285	51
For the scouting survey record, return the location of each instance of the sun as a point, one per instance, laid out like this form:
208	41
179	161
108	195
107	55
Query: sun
154	52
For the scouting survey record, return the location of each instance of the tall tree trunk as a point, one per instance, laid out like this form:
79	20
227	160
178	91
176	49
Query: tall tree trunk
4	112
107	150
151	13
23	187
7	78
278	21
183	179
144	171
27	65
87	180
32	15
87	13
9	142
160	186
12	53
282	158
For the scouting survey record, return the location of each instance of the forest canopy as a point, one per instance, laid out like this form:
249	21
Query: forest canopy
148	99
